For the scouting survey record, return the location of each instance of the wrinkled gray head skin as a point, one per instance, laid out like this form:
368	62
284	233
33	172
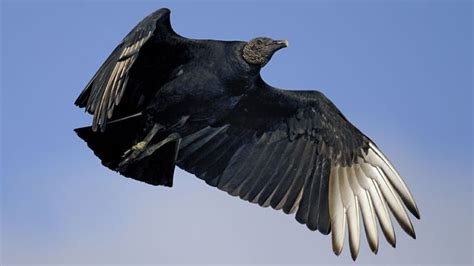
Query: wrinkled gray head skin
260	50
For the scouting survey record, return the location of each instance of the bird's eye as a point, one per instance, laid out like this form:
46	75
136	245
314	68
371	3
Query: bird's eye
259	42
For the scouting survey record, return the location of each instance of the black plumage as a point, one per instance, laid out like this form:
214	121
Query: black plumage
161	100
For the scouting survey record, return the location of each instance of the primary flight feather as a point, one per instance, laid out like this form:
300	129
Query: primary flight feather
161	100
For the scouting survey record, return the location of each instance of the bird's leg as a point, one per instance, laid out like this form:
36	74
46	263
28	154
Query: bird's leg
141	149
132	153
181	122
150	150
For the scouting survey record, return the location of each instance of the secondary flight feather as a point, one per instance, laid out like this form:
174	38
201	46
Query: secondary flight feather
161	100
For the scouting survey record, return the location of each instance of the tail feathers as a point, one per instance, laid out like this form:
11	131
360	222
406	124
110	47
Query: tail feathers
156	169
110	145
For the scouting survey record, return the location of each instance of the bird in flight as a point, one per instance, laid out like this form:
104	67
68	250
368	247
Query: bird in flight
161	100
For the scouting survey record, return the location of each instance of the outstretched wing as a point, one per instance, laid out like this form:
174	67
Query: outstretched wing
295	151
105	92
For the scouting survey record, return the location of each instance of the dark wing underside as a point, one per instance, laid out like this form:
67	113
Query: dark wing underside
295	151
125	72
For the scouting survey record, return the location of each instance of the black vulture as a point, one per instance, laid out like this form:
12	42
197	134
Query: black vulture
161	100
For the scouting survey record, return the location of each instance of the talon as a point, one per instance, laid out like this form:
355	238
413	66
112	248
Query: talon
132	153
141	149
139	146
150	150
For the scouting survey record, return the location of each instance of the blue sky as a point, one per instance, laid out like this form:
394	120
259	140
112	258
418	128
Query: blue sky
399	70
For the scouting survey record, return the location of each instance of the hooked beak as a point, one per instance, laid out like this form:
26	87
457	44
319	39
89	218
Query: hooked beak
281	43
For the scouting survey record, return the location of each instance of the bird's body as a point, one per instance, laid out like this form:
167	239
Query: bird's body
214	90
162	100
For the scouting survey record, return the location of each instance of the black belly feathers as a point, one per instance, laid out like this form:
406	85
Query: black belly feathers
291	150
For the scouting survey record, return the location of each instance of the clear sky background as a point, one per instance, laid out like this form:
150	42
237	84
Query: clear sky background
400	70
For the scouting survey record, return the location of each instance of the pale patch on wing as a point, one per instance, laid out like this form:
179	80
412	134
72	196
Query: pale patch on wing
365	189
116	82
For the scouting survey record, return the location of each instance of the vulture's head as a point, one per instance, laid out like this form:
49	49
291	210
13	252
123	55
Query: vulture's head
260	50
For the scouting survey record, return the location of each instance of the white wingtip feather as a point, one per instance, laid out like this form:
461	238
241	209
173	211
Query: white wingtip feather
365	189
336	212
375	156
354	229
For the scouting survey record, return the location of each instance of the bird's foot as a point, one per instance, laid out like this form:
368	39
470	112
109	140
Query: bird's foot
151	149
143	149
134	152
